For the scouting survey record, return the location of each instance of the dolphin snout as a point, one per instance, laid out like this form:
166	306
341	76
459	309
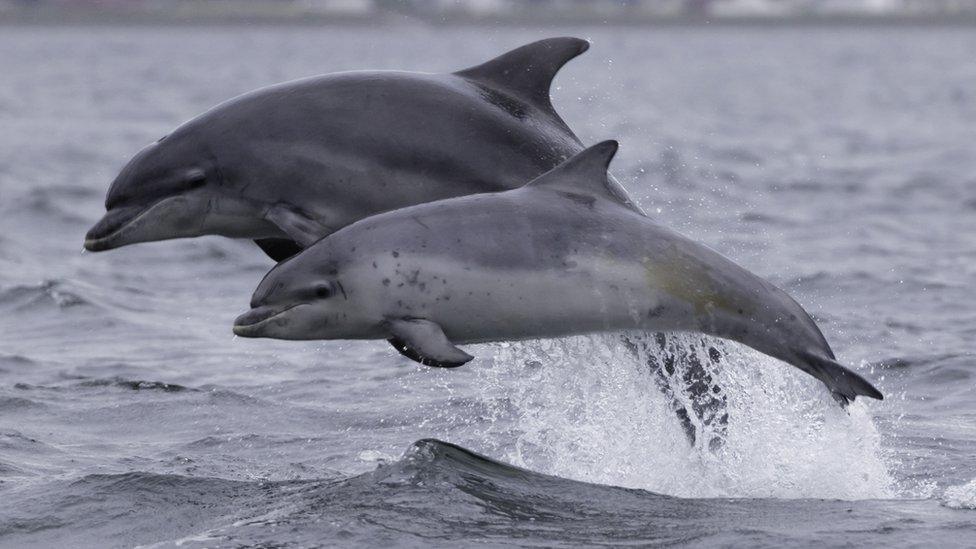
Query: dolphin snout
172	217
99	236
258	320
254	316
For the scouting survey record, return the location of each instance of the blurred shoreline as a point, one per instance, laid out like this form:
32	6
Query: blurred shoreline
262	14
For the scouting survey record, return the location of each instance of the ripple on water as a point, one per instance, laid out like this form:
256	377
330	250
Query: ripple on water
57	202
18	404
16	363
135	385
15	441
915	361
51	293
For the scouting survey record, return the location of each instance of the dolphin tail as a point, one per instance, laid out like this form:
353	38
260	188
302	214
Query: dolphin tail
844	384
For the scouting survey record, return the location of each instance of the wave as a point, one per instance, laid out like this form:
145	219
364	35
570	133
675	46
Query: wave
115	382
44	295
22	455
14	441
113	510
14	362
8	469
136	385
941	375
916	361
436	494
16	404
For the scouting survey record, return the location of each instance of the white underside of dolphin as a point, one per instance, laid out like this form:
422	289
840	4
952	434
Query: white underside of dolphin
562	256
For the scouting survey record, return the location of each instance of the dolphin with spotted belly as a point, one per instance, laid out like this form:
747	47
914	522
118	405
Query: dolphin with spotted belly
291	163
561	256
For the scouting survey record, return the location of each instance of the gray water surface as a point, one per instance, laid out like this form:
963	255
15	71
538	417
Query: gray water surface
838	163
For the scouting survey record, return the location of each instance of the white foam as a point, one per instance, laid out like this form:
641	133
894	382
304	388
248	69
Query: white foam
587	408
960	497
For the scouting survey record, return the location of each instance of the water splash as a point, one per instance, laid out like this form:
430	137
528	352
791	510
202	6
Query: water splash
589	408
960	497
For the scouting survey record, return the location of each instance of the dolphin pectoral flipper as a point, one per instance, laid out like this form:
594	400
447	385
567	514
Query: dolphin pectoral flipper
424	341
278	249
843	383
302	228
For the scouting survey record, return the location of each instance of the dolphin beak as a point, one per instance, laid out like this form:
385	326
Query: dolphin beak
102	235
172	217
255	322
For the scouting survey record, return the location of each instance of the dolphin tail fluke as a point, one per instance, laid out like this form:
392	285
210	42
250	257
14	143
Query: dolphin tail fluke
844	384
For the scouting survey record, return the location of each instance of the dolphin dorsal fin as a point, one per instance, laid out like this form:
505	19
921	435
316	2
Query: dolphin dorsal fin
586	173
527	72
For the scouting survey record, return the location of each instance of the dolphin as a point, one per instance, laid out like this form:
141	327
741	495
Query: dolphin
288	164
563	255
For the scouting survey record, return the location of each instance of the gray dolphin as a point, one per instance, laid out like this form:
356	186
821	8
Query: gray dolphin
291	163
561	256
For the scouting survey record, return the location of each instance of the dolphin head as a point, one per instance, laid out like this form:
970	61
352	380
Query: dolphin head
304	298
171	189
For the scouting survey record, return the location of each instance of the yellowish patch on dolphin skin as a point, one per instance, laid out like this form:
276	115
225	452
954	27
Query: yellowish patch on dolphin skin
687	282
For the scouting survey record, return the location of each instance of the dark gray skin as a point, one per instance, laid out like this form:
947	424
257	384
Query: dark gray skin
291	163
561	256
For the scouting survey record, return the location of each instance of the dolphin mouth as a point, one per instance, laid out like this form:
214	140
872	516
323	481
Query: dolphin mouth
116	228
255	322
103	234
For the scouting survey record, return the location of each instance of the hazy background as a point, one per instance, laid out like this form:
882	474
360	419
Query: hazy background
826	146
497	11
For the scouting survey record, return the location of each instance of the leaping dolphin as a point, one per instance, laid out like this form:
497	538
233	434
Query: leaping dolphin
291	163
564	255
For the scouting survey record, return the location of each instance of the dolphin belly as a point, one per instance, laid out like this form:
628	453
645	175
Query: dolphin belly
477	304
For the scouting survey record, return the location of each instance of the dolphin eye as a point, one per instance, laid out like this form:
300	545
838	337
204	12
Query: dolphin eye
195	178
323	292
